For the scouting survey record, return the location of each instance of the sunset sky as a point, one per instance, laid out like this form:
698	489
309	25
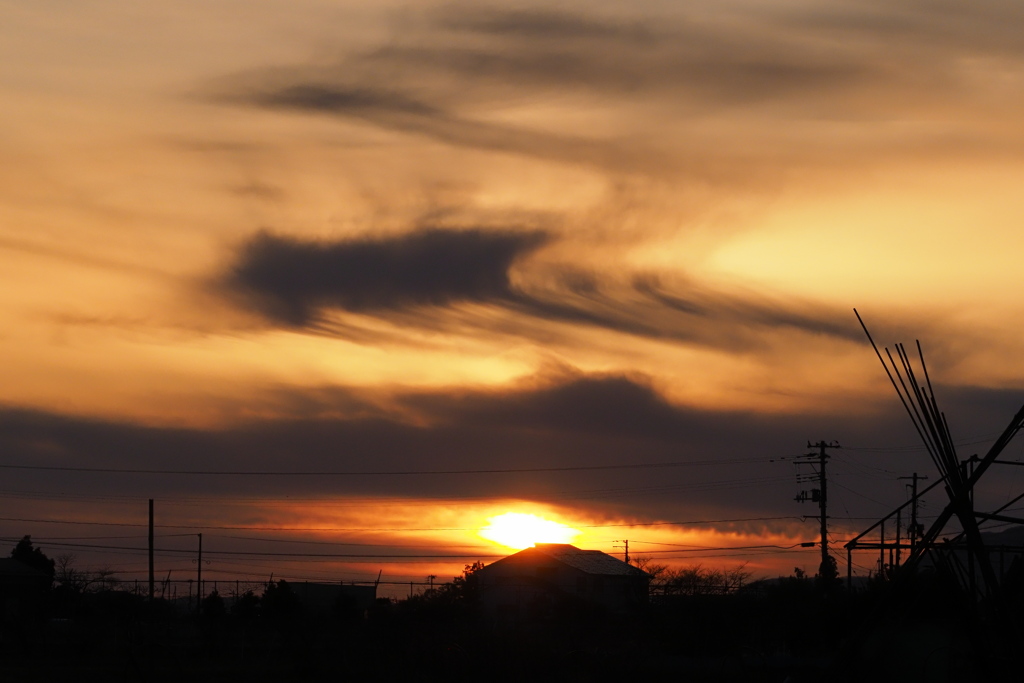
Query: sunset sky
393	269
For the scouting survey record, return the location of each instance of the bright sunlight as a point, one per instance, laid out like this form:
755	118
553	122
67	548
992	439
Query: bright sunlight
520	530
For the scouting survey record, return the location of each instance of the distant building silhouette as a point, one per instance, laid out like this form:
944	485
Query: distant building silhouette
556	576
332	598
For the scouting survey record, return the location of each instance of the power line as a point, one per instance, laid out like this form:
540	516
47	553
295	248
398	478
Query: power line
266	528
248	553
860	495
967	441
700	549
364	545
687	523
744	554
585	494
375	473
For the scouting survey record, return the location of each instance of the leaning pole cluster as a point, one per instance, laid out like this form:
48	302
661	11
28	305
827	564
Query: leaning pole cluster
962	553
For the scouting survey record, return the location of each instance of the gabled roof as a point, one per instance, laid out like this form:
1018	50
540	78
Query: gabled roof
589	561
592	562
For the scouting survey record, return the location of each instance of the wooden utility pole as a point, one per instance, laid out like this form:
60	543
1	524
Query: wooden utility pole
199	578
152	582
915	531
625	546
823	504
820	495
899	523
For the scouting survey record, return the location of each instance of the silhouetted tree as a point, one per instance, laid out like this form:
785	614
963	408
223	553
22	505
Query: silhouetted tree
33	557
213	606
463	589
279	601
700	580
828	575
457	598
72	579
247	606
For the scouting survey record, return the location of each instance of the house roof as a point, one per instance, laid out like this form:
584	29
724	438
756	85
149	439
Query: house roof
589	561
10	567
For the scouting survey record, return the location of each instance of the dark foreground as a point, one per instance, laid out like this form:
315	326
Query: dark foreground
789	632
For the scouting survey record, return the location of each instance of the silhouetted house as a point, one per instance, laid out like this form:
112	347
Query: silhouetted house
557	576
21	586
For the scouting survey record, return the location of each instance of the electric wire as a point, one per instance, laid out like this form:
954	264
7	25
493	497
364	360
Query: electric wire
375	473
205	527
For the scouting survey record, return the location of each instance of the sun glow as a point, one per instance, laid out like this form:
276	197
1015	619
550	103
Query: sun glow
520	530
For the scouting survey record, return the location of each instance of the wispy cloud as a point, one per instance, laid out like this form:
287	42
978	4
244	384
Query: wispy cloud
296	283
683	96
403	112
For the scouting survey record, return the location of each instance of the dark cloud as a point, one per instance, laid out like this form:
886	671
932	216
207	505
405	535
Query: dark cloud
571	422
364	101
609	406
738	465
293	282
290	279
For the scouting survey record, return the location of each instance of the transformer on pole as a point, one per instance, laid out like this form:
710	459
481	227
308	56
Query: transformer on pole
820	496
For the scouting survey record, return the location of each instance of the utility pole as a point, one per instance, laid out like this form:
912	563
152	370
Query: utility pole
915	530
968	473
625	544
899	521
819	495
199	578
152	583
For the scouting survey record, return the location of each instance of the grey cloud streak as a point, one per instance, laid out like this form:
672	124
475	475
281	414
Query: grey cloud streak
705	62
393	110
295	282
430	88
722	98
472	53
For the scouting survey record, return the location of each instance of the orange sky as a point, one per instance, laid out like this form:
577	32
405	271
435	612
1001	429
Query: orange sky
392	236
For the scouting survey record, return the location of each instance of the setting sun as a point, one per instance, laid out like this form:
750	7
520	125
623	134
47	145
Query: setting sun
520	530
